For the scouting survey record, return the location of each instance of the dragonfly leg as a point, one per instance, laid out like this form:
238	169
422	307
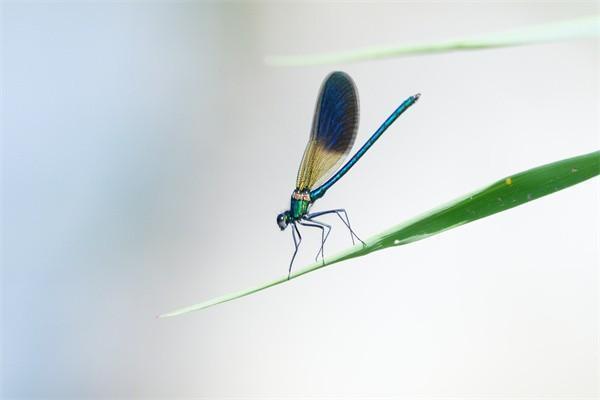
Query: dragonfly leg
296	245
315	226
324	236
346	222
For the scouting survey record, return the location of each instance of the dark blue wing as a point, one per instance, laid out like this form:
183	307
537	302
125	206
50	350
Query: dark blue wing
333	131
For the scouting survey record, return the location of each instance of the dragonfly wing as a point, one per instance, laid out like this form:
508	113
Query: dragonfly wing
333	131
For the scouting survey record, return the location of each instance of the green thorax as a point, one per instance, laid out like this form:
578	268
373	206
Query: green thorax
300	203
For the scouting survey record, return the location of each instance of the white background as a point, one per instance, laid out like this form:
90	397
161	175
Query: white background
147	150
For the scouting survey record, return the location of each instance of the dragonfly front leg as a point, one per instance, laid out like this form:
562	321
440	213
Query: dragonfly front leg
346	222
296	245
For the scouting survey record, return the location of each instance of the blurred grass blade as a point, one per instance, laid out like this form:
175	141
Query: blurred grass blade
501	195
563	30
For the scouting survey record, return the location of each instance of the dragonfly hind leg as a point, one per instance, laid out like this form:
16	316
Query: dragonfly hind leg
346	221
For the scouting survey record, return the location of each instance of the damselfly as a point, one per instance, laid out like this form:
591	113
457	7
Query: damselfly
333	132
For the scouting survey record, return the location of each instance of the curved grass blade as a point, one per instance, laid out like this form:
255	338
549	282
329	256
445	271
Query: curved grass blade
554	31
502	195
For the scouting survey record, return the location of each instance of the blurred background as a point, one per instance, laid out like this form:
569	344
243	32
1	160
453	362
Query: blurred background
146	150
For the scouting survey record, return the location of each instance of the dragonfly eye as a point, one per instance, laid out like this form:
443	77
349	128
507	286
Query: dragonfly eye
282	220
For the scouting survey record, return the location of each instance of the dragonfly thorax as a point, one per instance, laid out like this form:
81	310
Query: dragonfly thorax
299	204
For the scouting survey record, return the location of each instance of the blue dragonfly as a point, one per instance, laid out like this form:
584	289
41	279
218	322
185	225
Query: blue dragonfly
334	128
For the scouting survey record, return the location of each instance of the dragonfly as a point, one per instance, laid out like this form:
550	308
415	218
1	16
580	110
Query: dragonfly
334	128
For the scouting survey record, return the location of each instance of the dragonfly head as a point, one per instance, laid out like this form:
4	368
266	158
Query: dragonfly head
283	219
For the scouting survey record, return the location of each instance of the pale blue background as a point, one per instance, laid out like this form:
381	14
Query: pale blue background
147	149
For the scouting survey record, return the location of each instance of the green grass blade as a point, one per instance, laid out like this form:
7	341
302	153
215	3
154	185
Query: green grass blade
501	195
555	31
